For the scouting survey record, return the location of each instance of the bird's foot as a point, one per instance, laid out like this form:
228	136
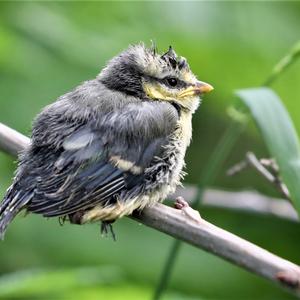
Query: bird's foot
106	226
191	213
62	220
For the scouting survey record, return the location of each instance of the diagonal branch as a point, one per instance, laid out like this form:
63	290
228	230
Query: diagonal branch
222	243
11	141
197	232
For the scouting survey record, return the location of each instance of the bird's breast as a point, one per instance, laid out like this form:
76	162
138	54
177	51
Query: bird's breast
167	170
184	130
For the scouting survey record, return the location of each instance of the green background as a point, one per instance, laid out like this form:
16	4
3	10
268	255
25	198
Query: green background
47	48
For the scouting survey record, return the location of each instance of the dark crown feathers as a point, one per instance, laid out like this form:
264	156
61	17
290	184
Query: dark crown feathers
175	61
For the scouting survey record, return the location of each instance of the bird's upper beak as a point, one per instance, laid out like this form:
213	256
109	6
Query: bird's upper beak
198	88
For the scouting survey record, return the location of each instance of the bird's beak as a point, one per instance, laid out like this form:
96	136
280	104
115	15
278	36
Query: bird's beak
202	87
198	88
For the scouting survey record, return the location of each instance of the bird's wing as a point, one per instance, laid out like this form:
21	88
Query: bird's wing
100	158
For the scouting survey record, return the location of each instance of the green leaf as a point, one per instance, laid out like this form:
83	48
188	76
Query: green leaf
278	133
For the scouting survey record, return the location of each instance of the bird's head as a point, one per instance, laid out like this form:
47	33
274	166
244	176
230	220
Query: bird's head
141	72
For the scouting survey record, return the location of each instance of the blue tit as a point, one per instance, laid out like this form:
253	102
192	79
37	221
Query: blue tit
112	145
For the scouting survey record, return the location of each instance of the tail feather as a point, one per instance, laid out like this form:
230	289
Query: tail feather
10	207
5	201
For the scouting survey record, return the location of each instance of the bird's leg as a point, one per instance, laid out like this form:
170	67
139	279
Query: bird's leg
187	210
105	226
62	220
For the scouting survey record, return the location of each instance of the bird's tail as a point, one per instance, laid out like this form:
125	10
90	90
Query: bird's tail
13	202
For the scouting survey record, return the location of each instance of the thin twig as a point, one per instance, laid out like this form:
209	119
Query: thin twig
187	226
270	164
275	180
261	167
237	168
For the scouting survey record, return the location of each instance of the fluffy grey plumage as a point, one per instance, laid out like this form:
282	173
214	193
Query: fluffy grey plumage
112	145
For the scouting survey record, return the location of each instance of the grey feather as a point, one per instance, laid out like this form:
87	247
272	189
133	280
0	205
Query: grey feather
79	168
79	139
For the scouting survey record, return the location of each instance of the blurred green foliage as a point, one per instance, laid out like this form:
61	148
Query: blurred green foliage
47	48
78	283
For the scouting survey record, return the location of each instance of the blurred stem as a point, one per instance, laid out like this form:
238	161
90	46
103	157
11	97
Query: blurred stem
221	152
167	270
219	155
283	64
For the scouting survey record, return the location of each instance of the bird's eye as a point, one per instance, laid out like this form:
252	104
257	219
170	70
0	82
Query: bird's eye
172	81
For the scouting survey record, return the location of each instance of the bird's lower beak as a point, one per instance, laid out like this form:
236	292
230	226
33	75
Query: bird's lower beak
198	88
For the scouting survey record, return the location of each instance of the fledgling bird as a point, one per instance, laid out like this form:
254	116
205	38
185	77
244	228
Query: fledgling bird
112	145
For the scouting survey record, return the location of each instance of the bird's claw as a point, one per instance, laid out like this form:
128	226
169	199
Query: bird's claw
180	203
187	210
106	226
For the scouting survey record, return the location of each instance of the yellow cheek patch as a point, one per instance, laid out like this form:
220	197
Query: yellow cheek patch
187	93
156	91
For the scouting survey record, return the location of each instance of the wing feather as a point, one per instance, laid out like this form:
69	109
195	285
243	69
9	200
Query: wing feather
81	173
